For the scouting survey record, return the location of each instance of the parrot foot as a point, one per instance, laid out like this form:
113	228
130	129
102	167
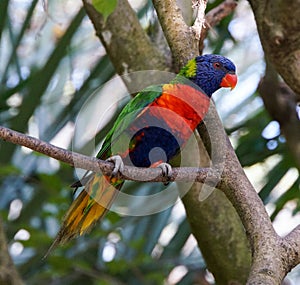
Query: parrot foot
166	169
118	162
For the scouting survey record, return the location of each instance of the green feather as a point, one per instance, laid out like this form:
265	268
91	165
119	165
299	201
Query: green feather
128	115
137	105
189	70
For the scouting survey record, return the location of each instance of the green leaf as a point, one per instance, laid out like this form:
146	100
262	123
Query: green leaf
105	7
6	170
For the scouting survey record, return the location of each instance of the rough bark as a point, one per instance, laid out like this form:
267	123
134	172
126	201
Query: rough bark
213	246
272	256
278	25
280	101
176	32
126	43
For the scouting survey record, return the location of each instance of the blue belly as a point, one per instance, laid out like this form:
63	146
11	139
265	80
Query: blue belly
153	144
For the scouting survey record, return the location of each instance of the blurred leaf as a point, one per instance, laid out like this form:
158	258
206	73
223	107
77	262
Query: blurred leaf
6	170
252	146
3	15
273	178
16	43
178	241
105	7
38	83
293	194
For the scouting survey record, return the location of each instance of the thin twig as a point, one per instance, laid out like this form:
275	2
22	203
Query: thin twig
213	17
199	23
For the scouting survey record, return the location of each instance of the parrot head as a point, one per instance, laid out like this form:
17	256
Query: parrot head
210	72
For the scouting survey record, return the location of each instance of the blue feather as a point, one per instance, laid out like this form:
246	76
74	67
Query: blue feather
208	76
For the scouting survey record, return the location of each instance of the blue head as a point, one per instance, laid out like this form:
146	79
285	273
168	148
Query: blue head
210	72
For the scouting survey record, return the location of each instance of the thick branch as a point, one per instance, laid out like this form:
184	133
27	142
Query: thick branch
278	26
127	45
180	37
125	41
238	189
229	261
292	241
280	102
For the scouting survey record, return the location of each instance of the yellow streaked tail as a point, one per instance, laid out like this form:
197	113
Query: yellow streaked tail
89	207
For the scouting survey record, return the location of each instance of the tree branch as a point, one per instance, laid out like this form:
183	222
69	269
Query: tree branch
278	27
292	244
180	37
126	43
238	189
199	23
214	16
183	174
280	101
273	256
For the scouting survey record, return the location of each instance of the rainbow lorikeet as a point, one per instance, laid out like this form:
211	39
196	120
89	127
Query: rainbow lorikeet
162	116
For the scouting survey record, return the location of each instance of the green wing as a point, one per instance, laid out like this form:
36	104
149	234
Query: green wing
128	115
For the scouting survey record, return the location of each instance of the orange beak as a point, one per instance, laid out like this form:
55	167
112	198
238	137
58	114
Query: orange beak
229	80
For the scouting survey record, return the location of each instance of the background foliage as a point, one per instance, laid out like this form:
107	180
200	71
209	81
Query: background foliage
50	64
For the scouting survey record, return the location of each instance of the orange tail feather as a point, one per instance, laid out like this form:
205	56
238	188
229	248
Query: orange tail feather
89	207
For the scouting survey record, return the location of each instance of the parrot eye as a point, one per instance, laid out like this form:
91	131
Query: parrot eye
217	65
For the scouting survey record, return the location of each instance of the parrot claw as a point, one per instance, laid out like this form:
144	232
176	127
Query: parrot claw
166	169
118	162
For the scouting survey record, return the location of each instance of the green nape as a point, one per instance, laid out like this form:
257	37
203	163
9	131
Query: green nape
189	70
